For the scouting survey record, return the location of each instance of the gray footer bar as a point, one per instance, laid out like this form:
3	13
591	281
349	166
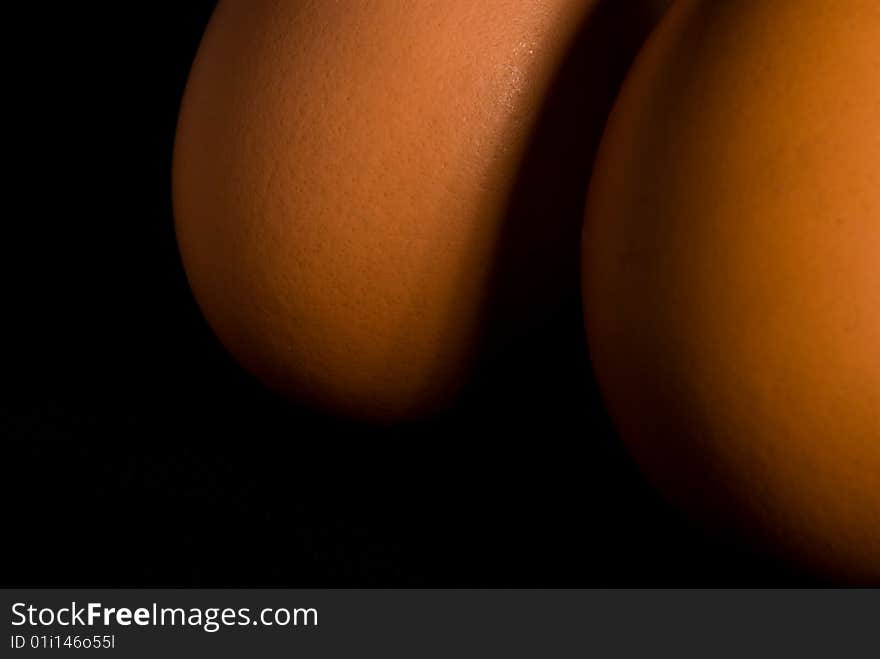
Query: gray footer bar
442	623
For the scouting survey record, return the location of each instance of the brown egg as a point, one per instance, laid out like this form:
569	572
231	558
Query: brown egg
732	272
363	190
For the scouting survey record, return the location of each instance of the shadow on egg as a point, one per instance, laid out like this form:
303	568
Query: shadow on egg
531	353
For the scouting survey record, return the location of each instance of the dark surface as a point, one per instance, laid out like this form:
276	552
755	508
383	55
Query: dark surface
186	472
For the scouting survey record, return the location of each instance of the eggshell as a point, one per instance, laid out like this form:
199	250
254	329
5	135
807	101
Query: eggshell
350	189
731	273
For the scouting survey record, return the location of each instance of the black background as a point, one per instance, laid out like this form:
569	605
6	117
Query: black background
186	472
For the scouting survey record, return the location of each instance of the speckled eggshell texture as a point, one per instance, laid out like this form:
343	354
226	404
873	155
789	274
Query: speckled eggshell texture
347	177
